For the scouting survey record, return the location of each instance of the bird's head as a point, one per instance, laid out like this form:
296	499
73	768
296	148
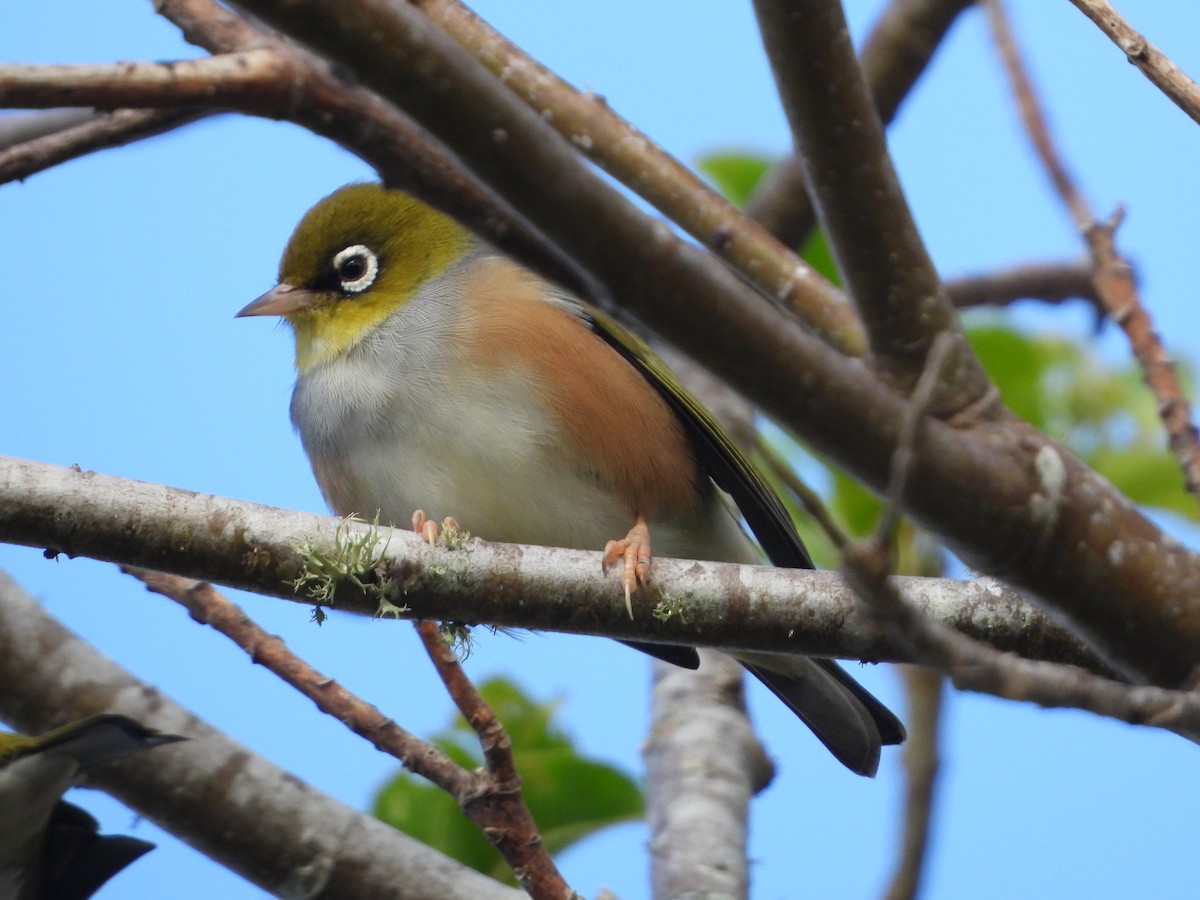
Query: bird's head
355	259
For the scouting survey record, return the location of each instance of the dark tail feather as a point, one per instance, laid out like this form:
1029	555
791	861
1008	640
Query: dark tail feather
675	654
77	860
851	723
891	729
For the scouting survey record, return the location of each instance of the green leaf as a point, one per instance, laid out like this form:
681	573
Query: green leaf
817	254
1104	413
430	815
1018	365
570	796
735	175
1148	477
854	506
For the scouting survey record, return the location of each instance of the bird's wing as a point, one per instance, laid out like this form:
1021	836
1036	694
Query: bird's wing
722	458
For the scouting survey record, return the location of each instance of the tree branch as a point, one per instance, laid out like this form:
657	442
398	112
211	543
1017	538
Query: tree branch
921	765
895	54
20	160
214	82
634	159
495	803
974	667
1046	282
213	792
1165	75
703	765
492	799
1112	274
840	139
266	550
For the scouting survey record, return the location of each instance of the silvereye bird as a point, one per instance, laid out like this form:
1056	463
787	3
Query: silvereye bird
436	374
50	848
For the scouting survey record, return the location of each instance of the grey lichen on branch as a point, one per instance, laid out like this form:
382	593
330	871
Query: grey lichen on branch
358	560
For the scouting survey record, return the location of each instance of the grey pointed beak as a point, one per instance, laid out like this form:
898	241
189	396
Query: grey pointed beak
282	300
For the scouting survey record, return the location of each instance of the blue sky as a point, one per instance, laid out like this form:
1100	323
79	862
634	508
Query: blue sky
124	272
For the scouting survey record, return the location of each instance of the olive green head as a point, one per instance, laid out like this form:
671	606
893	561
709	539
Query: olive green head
356	258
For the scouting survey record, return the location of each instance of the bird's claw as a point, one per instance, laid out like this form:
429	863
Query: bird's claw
634	552
430	530
425	527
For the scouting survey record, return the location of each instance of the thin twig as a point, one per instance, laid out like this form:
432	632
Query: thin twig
919	404
1045	282
17	128
492	800
208	606
808	499
975	667
229	803
1112	275
495	743
497	806
1168	77
116	129
921	764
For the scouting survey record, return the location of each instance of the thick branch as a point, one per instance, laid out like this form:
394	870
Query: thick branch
862	208
895	54
631	157
703	765
259	548
212	792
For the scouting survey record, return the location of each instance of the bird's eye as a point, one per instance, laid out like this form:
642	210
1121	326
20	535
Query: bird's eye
356	267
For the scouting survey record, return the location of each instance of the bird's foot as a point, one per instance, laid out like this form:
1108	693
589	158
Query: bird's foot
634	552
430	530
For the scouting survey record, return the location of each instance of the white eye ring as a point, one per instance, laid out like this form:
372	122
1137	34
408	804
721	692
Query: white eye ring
356	267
